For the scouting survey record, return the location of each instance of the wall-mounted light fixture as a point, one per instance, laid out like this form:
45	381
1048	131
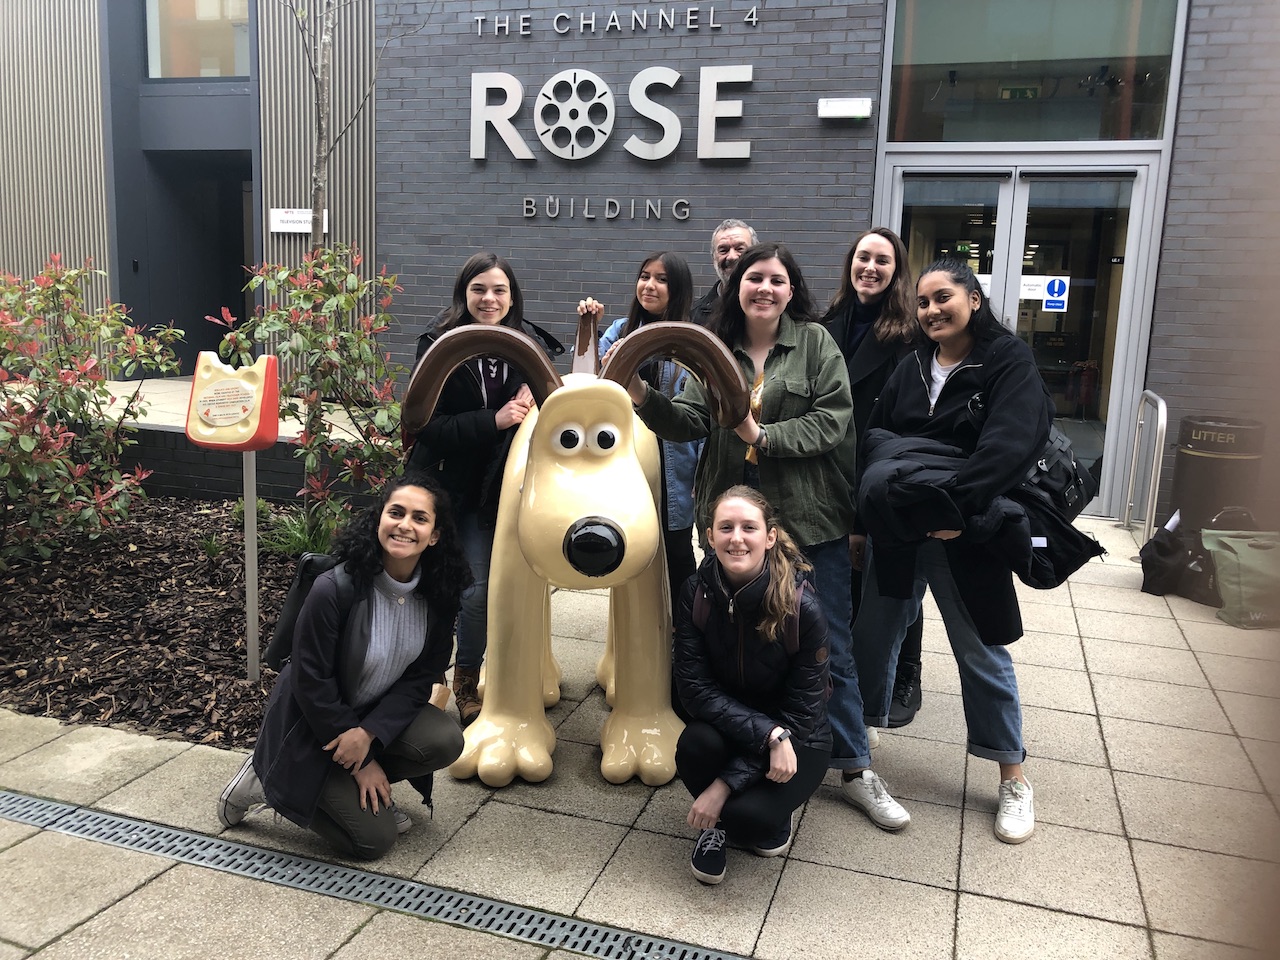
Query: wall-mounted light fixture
844	108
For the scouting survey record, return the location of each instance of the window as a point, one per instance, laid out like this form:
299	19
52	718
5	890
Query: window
197	38
1008	70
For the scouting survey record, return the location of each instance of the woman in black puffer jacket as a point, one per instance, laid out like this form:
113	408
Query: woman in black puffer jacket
750	667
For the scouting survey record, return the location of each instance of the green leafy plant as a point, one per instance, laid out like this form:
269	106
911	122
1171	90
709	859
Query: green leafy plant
264	511
212	546
289	534
338	382
63	429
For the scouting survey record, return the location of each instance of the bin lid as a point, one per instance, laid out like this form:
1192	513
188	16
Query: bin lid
1221	435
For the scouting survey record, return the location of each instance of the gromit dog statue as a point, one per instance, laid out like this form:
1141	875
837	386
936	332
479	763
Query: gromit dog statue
579	510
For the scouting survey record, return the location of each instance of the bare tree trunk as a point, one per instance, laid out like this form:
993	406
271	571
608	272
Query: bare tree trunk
324	110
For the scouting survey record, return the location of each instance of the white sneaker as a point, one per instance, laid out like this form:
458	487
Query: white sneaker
240	795
404	823
1016	815
869	793
873	738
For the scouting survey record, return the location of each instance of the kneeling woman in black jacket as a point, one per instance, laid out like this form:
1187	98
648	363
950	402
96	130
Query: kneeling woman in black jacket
750	666
350	712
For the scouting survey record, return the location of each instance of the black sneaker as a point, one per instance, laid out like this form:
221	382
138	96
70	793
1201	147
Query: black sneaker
709	859
778	844
906	696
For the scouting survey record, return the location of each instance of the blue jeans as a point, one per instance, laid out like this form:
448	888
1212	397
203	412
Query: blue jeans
473	615
831	569
988	687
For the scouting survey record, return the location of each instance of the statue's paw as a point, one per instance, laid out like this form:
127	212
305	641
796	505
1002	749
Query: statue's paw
551	675
641	746
500	748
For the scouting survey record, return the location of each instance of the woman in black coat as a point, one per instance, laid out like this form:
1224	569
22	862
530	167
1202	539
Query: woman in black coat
750	667
872	318
350	713
973	392
467	440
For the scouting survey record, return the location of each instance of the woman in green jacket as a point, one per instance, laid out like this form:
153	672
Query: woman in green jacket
797	447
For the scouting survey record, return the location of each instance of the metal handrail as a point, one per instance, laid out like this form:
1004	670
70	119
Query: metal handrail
1153	481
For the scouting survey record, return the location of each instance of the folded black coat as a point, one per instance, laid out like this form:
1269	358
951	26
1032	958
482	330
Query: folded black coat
904	495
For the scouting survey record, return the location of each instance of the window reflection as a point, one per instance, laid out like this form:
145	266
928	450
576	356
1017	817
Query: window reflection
197	38
1007	70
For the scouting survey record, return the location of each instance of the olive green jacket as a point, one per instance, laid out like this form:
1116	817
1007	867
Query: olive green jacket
807	473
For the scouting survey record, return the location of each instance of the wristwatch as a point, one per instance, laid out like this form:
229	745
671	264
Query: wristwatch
784	735
762	441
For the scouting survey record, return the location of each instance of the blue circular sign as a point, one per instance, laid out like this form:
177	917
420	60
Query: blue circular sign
1056	287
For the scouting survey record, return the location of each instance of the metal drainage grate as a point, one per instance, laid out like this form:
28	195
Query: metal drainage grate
347	883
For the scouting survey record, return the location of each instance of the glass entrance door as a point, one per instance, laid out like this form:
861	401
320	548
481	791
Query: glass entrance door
1050	248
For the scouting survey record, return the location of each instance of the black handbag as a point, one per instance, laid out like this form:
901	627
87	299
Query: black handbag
1060	478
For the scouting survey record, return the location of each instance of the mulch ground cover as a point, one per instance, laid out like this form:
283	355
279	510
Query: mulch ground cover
143	628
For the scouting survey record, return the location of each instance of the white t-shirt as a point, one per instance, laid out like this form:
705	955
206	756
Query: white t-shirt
938	374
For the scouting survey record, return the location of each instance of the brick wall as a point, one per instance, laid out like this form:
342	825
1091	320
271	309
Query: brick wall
808	182
181	469
1214	348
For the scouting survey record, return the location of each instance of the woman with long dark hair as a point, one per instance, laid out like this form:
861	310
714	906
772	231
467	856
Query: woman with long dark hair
350	713
796	446
664	291
873	320
468	438
970	392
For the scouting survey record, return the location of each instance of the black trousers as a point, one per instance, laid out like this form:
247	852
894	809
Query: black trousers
680	564
432	741
910	655
760	811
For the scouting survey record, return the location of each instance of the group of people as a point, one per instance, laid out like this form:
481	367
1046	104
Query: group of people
799	633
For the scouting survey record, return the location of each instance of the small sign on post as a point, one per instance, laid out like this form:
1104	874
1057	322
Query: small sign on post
238	409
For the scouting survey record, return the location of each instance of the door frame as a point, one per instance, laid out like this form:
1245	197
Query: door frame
1142	251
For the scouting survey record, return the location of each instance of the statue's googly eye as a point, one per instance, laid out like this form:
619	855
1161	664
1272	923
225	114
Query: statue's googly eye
603	439
569	438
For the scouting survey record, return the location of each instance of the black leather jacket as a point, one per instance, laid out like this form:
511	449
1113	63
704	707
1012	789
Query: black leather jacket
727	675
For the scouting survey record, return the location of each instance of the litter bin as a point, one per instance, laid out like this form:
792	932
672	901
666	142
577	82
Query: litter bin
1216	465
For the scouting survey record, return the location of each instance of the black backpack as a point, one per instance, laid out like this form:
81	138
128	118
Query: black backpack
309	567
1060	478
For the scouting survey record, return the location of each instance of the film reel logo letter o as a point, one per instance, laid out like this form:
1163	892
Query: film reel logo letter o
574	114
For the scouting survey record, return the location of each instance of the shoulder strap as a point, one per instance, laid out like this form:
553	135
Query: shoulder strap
310	566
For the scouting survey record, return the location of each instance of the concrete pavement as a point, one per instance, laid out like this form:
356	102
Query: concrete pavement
1153	747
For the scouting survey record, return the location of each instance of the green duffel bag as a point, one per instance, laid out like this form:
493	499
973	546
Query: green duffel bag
1248	575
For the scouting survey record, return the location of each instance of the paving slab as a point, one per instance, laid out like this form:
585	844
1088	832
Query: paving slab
584	721
1241	674
1049	618
1190	755
1257	718
581	615
1048	650
1060	735
1131	628
20	732
1188	610
1051	687
1059	596
530	857
1214	818
1208	895
1265	757
1143	662
1109	571
917	769
577	788
1068	794
648	886
986	929
666	812
53	883
181	792
9	951
1214	636
398	935
191	913
87	763
1154	701
838	835
823	913
1118	599
1170	947
941	718
1060	868
578	660
12	833
938	673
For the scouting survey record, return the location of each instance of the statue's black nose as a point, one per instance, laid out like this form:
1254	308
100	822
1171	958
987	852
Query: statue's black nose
594	546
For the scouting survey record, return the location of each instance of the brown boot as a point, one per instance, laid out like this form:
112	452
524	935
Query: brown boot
465	694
